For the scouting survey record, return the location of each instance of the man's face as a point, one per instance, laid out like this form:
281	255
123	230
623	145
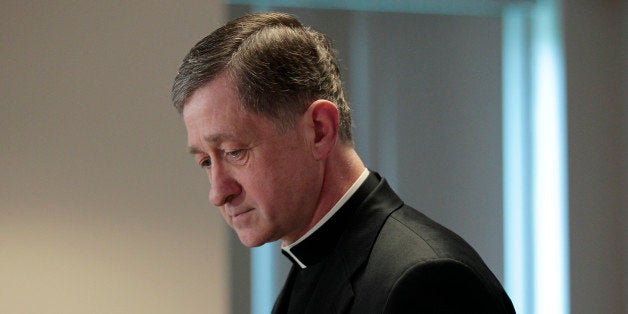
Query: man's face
266	182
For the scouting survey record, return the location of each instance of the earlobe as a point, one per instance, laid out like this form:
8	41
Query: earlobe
325	119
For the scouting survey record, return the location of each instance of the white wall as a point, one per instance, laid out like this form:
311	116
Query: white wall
101	208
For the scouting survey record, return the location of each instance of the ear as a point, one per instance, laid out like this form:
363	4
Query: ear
323	119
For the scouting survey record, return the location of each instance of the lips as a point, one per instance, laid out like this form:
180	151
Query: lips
240	219
240	212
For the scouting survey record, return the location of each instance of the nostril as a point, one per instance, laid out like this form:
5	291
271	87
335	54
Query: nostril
228	199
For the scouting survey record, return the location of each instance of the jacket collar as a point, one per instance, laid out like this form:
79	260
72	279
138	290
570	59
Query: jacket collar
336	286
362	218
318	245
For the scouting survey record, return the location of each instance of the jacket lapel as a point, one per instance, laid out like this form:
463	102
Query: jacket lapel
281	303
334	292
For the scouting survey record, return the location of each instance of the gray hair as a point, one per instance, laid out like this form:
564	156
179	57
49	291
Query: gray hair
278	66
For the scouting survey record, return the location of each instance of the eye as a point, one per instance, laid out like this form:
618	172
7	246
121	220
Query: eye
205	163
234	154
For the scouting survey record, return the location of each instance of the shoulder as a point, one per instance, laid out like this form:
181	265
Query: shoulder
417	265
443	286
412	237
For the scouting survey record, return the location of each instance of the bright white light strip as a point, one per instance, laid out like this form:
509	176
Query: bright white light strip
263	278
517	272
536	263
551	282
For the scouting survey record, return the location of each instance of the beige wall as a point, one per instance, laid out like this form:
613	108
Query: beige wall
101	208
597	108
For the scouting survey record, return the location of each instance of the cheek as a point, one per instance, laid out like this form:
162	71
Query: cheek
225	216
286	188
275	178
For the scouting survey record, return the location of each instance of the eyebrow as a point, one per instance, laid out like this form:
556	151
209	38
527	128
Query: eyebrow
214	140
194	150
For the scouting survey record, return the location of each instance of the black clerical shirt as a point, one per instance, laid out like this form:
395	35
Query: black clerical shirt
309	254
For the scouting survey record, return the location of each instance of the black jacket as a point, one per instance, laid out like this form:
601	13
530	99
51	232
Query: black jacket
381	256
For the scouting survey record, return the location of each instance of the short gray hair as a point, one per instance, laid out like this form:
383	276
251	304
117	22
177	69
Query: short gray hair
278	66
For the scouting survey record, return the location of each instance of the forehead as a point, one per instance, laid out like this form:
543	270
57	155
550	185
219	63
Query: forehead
214	114
220	90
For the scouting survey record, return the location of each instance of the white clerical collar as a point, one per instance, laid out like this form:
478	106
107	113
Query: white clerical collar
327	216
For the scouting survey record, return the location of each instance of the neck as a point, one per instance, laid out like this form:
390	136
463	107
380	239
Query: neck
340	171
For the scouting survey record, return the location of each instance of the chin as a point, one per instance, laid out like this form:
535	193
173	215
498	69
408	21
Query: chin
251	241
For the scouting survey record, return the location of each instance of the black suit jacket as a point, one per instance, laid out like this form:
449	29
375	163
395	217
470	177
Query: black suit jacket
389	258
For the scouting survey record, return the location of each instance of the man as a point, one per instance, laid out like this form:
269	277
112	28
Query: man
266	117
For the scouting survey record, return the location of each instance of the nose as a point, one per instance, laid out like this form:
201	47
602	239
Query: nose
222	186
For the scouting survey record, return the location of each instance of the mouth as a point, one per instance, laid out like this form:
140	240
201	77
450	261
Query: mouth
240	219
238	214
